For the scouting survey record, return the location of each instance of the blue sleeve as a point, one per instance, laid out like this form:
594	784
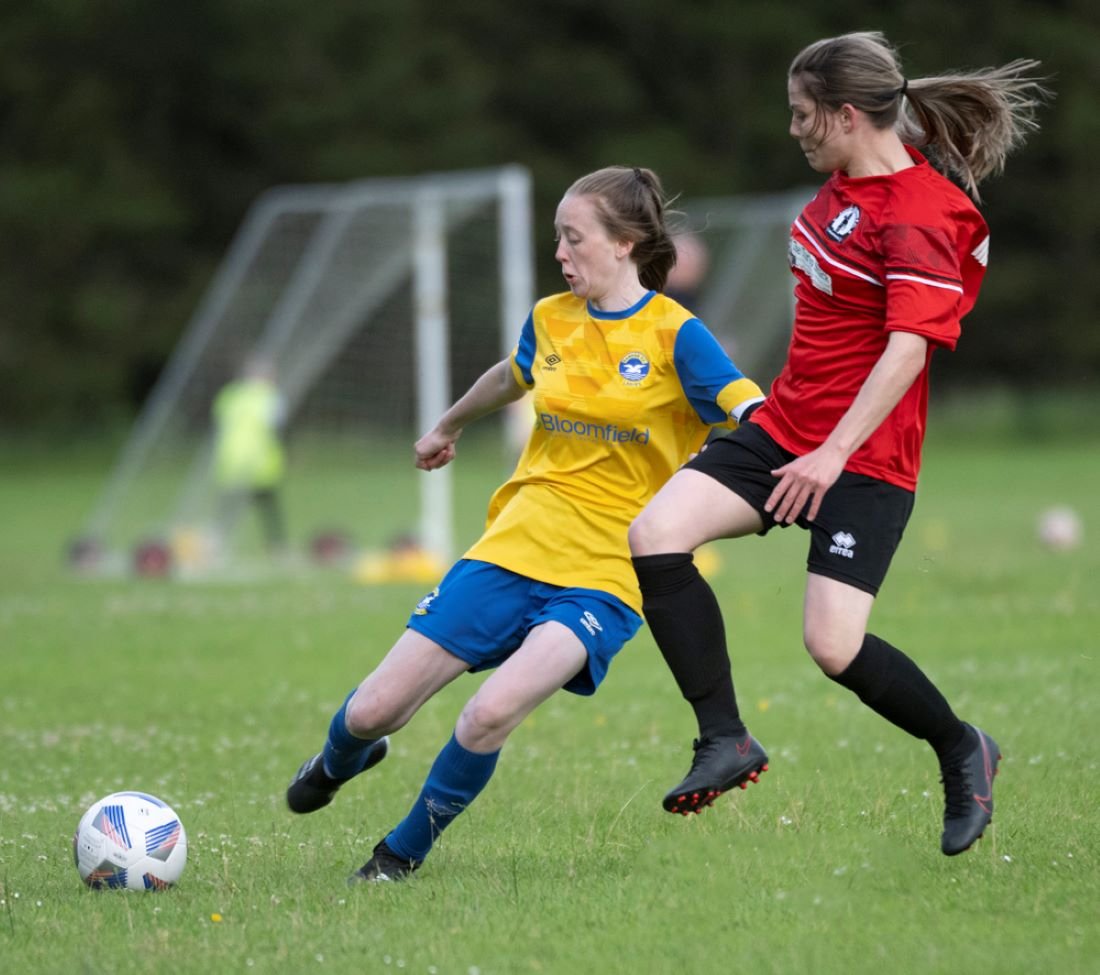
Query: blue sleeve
525	351
704	369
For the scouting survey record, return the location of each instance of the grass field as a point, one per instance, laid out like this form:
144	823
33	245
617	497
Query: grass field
211	695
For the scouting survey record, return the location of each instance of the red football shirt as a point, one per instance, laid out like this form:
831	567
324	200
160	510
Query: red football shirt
903	252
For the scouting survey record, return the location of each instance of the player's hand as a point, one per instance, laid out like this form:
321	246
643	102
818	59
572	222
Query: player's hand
692	456
803	482
434	450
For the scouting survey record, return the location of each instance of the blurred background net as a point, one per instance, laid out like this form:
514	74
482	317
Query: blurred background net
348	293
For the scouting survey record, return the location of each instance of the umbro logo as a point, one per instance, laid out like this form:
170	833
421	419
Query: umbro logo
842	545
590	623
552	360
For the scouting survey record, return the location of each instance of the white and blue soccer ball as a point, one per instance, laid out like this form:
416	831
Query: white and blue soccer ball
130	841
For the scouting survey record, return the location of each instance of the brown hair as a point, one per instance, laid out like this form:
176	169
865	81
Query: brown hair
631	205
968	121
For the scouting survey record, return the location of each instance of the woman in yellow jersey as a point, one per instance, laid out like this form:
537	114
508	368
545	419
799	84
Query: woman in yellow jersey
626	385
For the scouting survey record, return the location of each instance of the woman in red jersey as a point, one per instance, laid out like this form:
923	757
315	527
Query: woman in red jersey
888	258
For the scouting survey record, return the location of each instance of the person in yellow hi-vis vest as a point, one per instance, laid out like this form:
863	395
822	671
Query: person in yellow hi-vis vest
249	456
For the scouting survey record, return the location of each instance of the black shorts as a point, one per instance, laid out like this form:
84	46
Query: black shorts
858	527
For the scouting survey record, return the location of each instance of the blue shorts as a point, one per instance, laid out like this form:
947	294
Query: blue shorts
482	613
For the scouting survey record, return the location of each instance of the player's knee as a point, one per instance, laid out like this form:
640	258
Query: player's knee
486	722
369	715
832	652
647	535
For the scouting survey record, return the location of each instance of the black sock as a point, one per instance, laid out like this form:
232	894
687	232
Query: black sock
891	685
684	617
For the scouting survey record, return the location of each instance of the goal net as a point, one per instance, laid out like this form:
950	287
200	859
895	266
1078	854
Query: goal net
371	302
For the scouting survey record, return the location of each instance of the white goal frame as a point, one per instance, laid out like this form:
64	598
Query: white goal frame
437	202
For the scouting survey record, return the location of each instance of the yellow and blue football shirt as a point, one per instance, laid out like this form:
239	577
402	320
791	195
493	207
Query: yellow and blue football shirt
621	400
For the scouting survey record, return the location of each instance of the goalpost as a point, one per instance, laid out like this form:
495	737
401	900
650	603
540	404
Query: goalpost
372	300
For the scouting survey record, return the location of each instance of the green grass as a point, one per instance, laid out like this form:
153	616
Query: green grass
210	696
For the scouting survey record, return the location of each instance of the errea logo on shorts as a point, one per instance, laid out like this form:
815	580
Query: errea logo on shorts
590	623
842	545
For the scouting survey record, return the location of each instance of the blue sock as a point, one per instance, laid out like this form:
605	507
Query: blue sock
344	754
456	779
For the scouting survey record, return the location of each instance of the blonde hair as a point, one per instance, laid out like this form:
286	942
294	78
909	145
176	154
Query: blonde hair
631	205
968	122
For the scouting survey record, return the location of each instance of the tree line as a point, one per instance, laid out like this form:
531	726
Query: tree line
135	134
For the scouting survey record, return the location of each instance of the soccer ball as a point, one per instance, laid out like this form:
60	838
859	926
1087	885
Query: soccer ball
1060	528
130	841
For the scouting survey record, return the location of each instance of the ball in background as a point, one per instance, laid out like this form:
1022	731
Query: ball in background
130	841
1060	528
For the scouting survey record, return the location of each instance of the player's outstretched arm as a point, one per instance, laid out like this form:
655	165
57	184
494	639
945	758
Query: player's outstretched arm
496	387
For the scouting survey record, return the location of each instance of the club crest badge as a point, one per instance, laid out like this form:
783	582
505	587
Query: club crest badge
424	605
633	368
843	223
